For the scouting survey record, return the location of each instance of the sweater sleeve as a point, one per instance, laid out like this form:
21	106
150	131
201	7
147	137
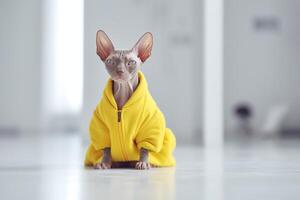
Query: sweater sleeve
99	133
151	134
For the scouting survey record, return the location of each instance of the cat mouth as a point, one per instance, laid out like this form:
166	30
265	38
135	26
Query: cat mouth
120	78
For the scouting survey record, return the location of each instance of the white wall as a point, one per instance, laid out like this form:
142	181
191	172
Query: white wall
262	67
20	65
174	69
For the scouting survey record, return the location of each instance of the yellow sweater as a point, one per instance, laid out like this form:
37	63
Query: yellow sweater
139	124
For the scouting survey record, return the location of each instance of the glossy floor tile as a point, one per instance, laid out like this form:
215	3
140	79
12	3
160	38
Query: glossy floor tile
51	168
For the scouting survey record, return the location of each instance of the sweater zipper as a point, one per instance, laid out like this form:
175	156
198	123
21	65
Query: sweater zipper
121	134
119	115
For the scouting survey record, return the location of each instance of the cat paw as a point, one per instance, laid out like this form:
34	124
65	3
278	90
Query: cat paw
103	165
142	165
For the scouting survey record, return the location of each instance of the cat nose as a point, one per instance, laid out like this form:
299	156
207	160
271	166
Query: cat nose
120	72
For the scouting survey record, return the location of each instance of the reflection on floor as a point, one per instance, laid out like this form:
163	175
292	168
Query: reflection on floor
51	168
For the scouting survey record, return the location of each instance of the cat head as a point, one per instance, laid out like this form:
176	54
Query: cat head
123	65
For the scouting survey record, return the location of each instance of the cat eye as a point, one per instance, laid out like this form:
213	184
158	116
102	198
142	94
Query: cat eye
109	61
131	62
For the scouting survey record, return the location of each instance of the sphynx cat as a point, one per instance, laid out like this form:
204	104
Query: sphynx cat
123	67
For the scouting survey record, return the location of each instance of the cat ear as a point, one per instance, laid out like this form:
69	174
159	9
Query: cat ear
144	46
104	45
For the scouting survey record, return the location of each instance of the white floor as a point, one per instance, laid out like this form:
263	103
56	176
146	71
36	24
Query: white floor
51	168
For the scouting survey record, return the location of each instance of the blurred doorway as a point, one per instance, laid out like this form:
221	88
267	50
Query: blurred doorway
62	62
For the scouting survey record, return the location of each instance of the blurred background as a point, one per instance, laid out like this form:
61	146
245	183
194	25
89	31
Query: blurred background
224	72
51	78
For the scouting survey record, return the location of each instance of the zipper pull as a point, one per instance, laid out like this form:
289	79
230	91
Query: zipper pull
119	115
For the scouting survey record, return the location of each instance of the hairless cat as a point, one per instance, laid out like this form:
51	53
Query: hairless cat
123	67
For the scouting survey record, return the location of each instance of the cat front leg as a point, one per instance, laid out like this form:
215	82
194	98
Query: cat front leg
143	162
106	160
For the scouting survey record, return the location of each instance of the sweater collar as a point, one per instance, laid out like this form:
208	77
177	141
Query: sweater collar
137	94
